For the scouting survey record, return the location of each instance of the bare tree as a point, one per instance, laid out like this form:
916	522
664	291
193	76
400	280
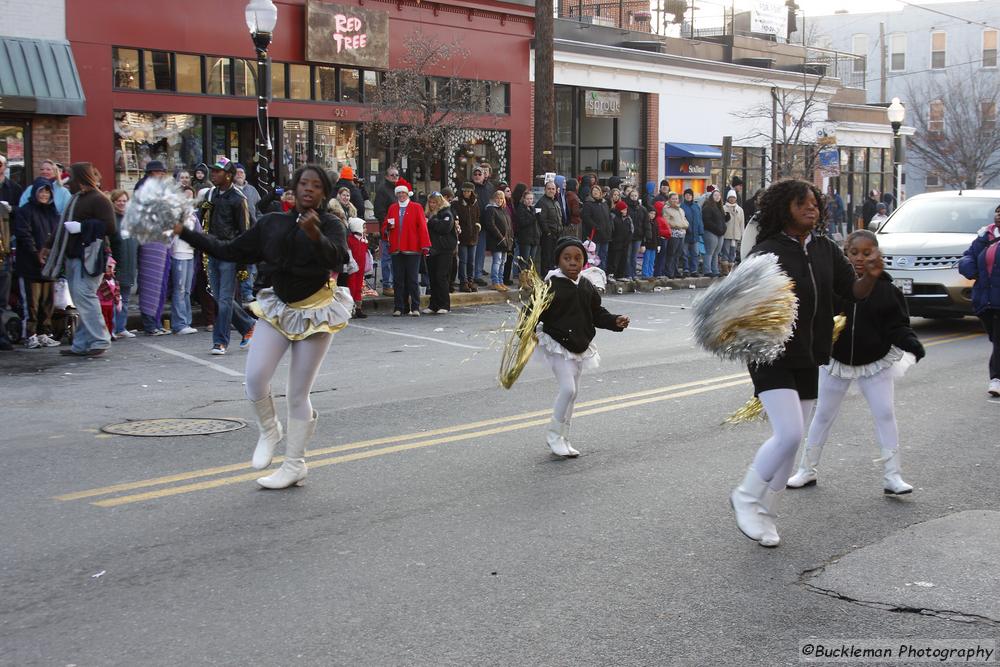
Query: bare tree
955	118
418	106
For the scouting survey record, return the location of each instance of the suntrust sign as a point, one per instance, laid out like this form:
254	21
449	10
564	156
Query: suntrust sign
346	35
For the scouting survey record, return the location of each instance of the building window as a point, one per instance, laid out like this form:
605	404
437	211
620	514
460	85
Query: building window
335	145
350	85
897	49
564	116
299	82
859	47
245	78
990	39
326	84
125	65
371	84
935	117
939	43
988	115
15	144
295	147
158	71
278	90
499	94
219	75
174	139
188	70
932	180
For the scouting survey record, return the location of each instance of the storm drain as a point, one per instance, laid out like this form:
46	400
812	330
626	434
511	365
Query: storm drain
175	426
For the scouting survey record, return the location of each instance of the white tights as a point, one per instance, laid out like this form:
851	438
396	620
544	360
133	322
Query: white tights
268	347
878	390
567	372
788	415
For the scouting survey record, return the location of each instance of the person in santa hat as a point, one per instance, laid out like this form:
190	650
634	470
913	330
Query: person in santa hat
405	229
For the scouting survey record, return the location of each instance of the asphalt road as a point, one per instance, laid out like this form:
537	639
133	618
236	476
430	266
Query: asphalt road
435	528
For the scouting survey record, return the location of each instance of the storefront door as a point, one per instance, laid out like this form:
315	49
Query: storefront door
15	145
233	138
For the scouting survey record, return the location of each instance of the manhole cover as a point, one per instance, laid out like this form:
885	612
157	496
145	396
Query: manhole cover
174	426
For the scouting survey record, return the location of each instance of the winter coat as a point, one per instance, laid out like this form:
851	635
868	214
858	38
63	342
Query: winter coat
356	280
356	198
467	211
734	226
528	231
575	313
484	196
574	213
696	227
622	228
596	222
979	263
714	219
874	325
60	194
637	212
869	209
652	230
550	219
385	196
497	225
676	219
34	224
227	213
662	226
441	228
410	237
819	273
11	192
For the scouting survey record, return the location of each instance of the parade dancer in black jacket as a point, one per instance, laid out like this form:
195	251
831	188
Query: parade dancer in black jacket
566	336
870	350
789	212
301	310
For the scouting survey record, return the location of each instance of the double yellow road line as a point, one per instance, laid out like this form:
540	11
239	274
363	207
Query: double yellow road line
171	485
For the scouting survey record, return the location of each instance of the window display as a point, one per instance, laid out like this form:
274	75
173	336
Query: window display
335	145
174	139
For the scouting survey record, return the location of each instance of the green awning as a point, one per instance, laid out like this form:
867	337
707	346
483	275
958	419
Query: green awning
39	76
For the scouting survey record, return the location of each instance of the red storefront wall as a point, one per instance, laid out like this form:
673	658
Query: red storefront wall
496	35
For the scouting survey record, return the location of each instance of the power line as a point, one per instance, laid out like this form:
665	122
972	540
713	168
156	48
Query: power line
951	16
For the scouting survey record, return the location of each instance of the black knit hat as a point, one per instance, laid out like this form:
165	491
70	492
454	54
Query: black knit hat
664	182
566	242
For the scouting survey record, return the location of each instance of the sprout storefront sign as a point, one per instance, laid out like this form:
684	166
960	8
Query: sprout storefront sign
346	35
603	104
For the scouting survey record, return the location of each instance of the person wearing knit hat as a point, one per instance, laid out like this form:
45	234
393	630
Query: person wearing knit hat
621	240
566	335
346	180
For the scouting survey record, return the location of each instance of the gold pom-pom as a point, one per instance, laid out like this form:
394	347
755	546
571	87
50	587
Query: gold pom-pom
521	342
752	411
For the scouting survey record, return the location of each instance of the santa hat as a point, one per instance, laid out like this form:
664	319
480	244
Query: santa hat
403	186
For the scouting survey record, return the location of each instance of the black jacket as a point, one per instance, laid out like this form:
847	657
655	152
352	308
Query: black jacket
819	272
575	313
34	224
300	266
385	196
637	212
550	219
484	195
441	228
497	225
10	192
228	213
596	220
714	218
621	235
874	325
468	219
528	232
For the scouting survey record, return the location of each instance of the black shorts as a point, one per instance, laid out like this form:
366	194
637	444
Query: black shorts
803	380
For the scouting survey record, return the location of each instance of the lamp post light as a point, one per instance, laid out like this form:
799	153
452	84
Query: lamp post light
896	113
261	16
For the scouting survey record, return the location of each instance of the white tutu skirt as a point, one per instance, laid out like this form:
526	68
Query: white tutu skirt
550	349
326	311
896	362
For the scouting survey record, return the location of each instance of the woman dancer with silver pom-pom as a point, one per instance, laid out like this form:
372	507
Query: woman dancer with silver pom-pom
301	310
789	214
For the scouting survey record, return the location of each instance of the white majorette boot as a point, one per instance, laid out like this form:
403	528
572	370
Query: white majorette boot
806	474
293	468
751	516
892	482
270	432
769	513
554	439
564	434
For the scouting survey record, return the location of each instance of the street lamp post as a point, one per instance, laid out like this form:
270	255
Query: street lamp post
896	113
261	16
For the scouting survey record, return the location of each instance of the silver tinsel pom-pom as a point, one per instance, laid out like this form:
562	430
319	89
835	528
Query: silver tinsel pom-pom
157	205
750	315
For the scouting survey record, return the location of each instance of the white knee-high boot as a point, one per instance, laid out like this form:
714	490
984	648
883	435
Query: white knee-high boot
806	474
564	434
892	481
752	517
554	438
769	505
270	432
293	468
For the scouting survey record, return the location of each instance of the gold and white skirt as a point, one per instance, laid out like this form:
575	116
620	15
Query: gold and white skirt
326	311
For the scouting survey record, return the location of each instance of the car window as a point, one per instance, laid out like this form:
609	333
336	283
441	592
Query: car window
957	215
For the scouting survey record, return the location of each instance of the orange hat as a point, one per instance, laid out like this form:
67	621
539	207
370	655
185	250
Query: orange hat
347	172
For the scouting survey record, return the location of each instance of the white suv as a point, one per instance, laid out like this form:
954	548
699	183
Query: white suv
922	242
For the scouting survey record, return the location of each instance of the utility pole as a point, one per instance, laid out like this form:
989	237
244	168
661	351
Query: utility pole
774	134
691	28
544	159
882	58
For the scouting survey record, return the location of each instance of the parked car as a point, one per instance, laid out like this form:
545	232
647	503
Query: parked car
922	242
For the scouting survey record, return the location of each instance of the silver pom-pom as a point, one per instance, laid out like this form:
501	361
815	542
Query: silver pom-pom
154	210
750	315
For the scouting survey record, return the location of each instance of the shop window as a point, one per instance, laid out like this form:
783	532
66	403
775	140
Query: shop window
630	164
244	78
990	39
158	71
499	98
939	42
16	146
278	90
125	65
630	121
335	145
897	48
350	85
219	75
299	83
371	84
174	139
564	115
295	147
596	131
188	69
564	161
326	84
598	161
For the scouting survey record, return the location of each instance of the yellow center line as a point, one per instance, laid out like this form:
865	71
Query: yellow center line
233	467
952	340
357	456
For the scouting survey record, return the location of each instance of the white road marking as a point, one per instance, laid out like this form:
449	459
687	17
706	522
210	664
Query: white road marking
406	335
633	328
203	362
643	303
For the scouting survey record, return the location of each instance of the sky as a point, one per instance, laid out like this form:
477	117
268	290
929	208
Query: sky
818	7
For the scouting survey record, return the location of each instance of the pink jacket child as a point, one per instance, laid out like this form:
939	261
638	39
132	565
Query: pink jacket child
109	294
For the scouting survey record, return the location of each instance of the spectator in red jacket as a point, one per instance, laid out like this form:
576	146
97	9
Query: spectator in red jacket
405	228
